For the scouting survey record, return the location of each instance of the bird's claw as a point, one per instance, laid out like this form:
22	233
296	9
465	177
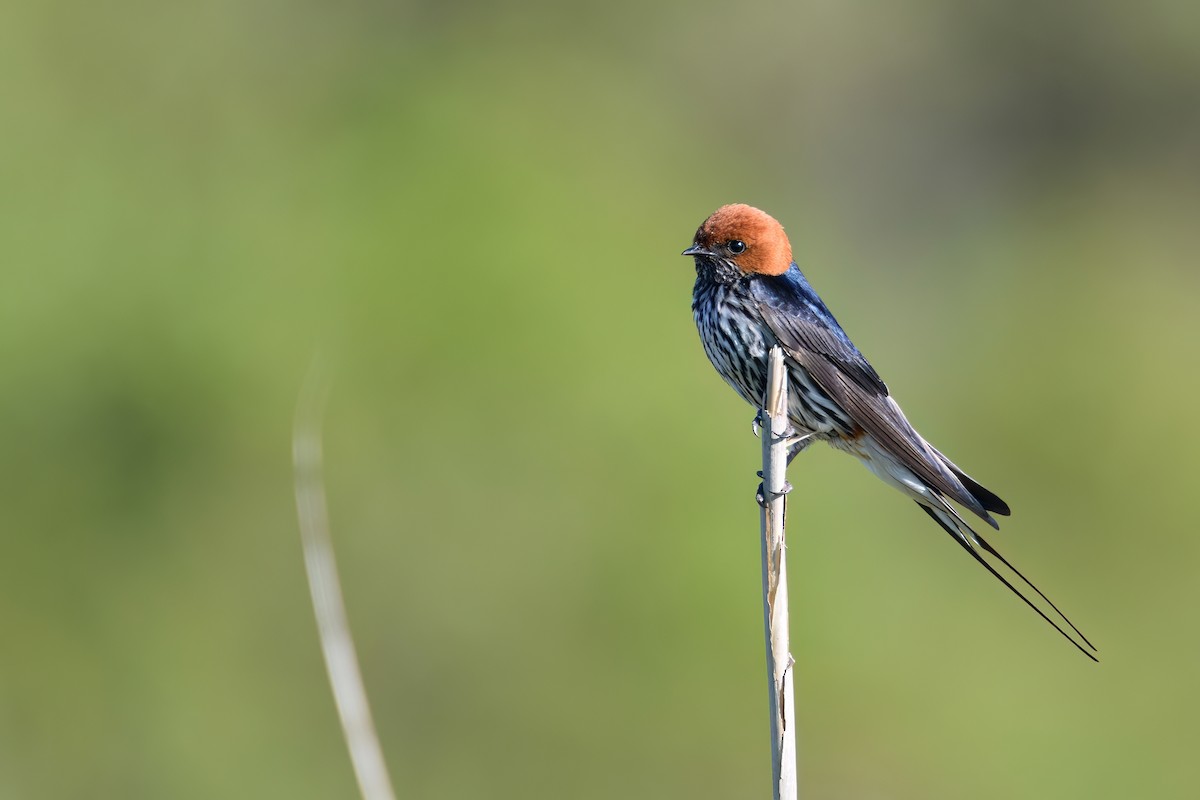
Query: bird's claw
761	495
787	434
797	444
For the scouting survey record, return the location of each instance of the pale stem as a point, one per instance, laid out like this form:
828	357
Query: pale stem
776	430
337	644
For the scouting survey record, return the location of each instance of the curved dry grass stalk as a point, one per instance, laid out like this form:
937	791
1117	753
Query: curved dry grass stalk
337	643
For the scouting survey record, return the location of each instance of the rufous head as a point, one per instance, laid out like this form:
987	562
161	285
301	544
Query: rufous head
750	239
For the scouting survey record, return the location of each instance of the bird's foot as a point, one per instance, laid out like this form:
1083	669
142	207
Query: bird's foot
756	425
789	433
797	445
761	495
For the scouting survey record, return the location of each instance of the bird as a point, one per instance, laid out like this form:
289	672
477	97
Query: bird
750	296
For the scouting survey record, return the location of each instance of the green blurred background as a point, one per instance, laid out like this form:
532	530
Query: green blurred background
542	495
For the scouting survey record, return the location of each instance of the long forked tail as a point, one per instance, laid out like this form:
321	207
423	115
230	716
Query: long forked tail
967	538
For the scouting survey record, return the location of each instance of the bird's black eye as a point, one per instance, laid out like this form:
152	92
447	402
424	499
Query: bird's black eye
736	246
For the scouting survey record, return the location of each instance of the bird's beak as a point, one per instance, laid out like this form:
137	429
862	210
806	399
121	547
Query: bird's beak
697	250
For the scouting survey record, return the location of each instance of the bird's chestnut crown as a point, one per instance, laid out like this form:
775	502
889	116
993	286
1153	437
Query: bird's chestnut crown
750	239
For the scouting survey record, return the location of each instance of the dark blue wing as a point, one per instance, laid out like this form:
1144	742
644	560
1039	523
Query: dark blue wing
815	341
794	310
